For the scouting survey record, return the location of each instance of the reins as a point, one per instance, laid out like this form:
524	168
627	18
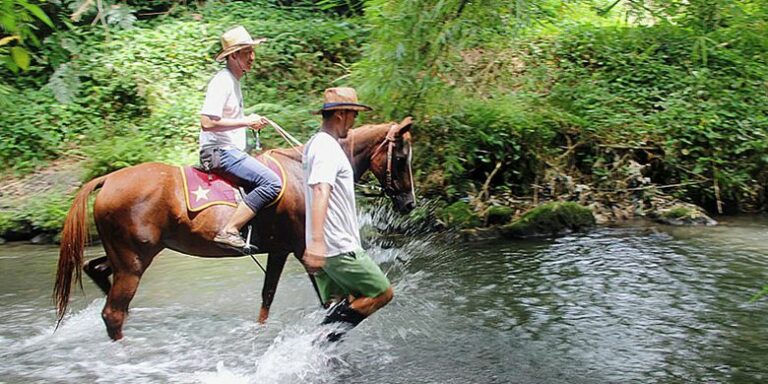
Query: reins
292	141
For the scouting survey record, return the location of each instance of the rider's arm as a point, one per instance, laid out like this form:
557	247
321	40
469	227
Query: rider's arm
218	124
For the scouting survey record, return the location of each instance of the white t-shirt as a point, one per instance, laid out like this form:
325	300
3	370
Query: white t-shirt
325	162
223	99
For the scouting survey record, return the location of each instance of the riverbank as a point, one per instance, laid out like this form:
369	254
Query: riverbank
626	118
34	207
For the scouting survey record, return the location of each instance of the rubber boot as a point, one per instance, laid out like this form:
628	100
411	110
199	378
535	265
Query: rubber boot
343	314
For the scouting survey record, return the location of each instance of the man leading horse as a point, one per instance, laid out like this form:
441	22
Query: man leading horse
346	276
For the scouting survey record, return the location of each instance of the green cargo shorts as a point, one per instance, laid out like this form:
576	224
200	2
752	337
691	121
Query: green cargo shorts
351	273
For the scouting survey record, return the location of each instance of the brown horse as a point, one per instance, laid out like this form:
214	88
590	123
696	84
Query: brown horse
141	210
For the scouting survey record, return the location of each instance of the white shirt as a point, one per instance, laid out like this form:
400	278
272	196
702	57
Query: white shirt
224	100
325	162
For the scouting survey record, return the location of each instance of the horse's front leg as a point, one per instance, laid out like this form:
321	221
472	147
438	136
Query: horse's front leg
275	264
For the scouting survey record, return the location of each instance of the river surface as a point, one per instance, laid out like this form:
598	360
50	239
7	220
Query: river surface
632	304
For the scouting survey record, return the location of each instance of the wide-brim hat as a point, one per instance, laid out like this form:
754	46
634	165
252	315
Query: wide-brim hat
234	40
341	98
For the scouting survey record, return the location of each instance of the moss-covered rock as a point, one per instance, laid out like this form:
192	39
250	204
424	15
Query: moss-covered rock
682	214
459	215
499	214
550	219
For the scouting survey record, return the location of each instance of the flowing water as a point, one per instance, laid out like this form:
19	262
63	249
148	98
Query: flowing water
632	304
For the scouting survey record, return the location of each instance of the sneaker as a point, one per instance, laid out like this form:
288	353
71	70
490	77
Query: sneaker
233	240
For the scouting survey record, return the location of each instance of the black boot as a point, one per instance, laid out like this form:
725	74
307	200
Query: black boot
347	317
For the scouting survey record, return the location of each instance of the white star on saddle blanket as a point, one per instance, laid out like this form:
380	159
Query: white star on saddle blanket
201	193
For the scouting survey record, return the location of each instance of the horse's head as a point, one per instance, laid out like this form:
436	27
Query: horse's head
391	164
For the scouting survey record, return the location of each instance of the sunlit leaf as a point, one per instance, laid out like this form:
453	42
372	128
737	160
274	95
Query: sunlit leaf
8	39
21	57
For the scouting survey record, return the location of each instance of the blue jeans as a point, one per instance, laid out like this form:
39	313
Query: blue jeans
261	184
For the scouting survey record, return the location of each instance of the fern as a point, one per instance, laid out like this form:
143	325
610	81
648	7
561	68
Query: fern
121	16
65	83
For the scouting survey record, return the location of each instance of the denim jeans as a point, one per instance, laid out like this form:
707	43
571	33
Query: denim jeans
261	184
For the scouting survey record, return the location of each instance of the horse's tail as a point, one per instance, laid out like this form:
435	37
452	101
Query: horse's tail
73	238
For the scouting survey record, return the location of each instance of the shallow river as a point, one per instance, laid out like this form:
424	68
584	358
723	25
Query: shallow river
633	304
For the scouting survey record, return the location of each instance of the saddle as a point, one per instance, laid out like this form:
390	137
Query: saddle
203	189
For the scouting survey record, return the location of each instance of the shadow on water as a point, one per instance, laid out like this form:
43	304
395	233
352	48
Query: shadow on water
640	303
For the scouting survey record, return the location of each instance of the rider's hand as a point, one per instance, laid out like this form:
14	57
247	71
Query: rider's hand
313	261
255	121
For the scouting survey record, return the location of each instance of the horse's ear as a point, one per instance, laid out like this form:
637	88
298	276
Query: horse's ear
404	126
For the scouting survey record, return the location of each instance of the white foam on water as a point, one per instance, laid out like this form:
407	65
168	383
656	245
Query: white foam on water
293	356
223	375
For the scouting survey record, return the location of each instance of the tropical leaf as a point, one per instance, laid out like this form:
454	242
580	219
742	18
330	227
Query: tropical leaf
35	10
21	57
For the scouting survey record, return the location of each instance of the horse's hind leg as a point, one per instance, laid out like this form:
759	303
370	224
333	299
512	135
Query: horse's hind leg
99	270
119	298
128	268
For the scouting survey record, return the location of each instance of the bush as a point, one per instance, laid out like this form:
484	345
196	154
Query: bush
113	154
649	87
460	215
47	213
479	134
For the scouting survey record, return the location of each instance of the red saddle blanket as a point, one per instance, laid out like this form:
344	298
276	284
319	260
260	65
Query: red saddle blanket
202	190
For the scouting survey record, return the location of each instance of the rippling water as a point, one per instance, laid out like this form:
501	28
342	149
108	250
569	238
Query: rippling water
635	304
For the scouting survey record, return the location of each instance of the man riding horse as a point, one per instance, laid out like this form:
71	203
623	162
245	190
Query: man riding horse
223	135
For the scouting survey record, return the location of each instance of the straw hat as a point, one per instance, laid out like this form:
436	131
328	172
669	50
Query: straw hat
234	40
341	98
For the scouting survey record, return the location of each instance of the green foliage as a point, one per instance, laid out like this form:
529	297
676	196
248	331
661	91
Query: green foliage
641	86
499	214
412	44
47	213
9	220
692	84
17	22
678	213
44	212
115	153
148	83
512	132
459	215
36	128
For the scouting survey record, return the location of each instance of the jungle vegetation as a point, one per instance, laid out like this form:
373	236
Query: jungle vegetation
507	96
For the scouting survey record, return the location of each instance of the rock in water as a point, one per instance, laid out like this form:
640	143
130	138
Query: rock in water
551	219
42	238
683	214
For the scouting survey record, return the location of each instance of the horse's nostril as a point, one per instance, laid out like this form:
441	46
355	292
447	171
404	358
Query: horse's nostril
409	206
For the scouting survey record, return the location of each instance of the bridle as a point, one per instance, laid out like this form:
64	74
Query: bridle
391	141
